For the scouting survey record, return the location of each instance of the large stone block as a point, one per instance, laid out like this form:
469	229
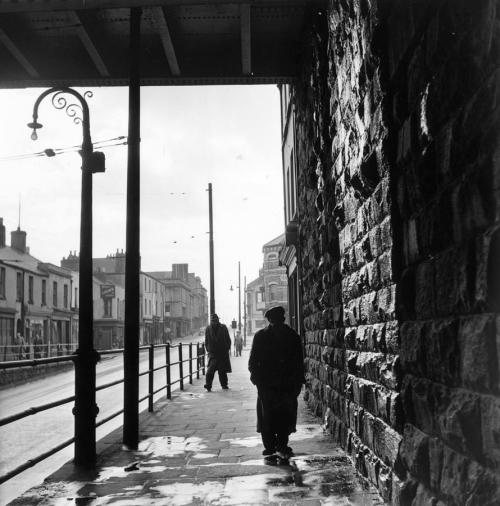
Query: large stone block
478	353
490	430
414	453
458	415
386	442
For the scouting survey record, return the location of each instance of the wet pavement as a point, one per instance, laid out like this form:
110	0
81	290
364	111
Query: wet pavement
202	449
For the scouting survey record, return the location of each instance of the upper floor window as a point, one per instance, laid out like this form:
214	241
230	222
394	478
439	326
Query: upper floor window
19	287
108	308
65	296
167	309
30	290
274	292
2	282
44	292
259	297
75	303
54	293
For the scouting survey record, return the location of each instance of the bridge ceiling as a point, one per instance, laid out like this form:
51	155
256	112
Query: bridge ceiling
86	42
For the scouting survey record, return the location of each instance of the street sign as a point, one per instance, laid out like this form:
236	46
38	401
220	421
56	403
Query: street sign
107	291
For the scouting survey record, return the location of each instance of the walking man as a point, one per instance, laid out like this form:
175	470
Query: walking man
218	346
277	370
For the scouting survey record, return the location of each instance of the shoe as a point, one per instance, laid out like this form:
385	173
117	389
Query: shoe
225	388
268	452
285	453
209	389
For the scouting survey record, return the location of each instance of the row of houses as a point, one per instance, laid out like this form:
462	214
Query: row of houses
39	302
269	289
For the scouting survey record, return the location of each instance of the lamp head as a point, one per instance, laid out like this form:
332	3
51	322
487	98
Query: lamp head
34	125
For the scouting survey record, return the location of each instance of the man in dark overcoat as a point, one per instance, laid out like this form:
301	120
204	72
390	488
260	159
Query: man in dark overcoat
218	346
277	369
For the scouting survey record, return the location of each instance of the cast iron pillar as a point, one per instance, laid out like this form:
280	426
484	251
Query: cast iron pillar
132	255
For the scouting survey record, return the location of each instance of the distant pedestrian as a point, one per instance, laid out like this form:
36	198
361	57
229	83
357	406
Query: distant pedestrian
19	344
277	369
218	346
238	344
37	345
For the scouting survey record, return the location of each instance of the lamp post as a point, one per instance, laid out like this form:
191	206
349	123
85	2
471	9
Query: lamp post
85	409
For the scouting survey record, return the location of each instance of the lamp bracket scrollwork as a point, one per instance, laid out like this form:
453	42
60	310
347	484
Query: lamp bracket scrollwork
72	109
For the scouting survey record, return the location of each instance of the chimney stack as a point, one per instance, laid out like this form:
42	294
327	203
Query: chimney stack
18	240
2	234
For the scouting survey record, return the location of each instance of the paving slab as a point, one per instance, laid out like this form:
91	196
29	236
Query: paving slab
202	448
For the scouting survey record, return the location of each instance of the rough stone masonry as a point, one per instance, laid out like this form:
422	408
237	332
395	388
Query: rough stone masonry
398	145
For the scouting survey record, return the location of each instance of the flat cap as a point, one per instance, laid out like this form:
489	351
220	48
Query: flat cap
275	312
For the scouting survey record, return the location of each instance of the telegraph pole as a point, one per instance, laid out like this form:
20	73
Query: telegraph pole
245	313
211	248
239	298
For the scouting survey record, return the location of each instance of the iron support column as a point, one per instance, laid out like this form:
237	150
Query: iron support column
211	248
132	256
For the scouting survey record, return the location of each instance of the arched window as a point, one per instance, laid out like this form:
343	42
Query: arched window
274	292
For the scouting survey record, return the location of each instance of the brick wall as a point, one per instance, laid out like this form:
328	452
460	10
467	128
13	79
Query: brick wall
397	114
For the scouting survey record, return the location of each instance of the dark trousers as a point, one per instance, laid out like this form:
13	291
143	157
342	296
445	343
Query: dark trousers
274	441
209	378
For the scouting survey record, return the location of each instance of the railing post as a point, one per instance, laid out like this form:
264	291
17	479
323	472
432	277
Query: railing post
151	376
198	361
167	363
203	351
190	363
181	368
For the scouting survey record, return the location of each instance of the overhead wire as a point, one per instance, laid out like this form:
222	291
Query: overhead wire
107	143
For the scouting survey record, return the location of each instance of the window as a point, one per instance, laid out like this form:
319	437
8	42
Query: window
44	292
54	293
65	296
274	292
75	303
167	309
19	286
259	297
108	308
2	282
149	307
30	290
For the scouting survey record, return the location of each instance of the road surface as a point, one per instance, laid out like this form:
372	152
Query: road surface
31	436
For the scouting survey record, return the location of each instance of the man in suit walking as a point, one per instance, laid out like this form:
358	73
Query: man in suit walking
218	346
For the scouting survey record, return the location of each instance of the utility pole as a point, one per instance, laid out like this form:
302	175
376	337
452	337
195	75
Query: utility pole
211	248
239	298
245	313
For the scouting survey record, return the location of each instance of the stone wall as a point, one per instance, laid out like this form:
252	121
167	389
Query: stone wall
398	149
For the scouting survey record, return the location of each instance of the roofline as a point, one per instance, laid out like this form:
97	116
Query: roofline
67	5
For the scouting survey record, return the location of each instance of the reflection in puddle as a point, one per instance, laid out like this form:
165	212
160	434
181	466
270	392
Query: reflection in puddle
182	494
248	442
307	432
171	446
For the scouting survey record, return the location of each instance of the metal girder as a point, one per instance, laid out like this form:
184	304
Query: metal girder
246	39
89	45
18	55
166	40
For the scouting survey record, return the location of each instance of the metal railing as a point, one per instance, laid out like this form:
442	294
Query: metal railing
16	352
199	358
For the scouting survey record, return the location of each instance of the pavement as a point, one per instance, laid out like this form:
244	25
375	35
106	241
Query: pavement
201	448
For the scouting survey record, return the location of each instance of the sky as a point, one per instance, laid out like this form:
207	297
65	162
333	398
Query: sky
190	136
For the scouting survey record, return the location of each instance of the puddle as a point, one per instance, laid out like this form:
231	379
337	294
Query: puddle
307	432
248	442
171	446
202	456
183	494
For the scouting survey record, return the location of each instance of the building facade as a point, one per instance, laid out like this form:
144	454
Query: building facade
396	241
255	305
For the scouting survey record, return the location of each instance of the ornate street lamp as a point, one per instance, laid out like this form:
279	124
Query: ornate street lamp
85	409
